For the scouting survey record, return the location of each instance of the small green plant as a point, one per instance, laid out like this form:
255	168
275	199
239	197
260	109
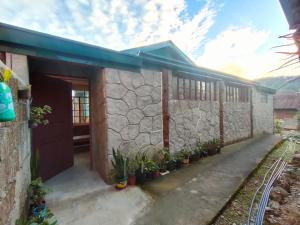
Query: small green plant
151	166
298	116
119	163
278	126
163	157
37	192
35	164
185	153
141	159
47	219
133	165
38	114
199	149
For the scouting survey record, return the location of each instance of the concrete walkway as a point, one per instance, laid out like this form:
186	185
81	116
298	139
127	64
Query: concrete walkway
80	197
194	195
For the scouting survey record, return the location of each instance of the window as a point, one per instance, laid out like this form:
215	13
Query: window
264	98
237	93
193	89
80	102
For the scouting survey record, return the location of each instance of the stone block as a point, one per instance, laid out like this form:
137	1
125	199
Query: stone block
135	116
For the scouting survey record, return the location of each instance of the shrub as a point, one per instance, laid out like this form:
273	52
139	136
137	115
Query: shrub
119	163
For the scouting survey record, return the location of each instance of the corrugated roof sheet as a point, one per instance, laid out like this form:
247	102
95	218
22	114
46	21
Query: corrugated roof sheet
287	101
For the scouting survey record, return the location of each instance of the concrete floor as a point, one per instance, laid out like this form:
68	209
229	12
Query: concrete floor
194	195
80	197
191	196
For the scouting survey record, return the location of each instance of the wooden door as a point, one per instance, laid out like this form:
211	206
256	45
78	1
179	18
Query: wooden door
55	140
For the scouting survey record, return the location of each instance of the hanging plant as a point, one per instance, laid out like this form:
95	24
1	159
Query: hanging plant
38	116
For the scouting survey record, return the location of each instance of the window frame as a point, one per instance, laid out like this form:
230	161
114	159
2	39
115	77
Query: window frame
204	89
83	114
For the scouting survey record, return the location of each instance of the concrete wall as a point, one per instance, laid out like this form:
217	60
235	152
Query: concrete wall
134	110
191	120
15	152
262	113
99	124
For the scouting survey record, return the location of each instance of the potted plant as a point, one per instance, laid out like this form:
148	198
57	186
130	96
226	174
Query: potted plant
37	194
213	147
185	153
119	163
38	114
163	158
218	144
25	93
198	151
132	167
172	163
178	159
152	169
141	158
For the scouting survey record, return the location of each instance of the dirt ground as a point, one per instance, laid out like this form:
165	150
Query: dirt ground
284	204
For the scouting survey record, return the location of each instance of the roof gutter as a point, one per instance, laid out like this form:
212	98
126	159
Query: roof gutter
45	45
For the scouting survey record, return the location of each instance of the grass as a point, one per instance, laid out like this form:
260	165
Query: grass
237	210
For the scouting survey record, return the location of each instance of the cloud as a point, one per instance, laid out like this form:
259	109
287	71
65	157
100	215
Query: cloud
244	52
115	24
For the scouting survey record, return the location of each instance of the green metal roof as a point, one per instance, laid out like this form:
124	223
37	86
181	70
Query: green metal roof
161	55
166	50
34	43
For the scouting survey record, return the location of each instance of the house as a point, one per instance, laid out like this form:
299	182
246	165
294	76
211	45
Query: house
286	108
138	99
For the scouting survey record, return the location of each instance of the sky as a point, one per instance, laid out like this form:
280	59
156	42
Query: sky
232	36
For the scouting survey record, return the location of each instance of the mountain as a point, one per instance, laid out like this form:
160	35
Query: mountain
281	84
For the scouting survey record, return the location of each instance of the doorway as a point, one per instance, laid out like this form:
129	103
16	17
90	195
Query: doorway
66	138
77	122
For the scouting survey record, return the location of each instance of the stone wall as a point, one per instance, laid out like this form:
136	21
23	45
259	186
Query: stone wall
15	155
191	120
134	110
262	113
237	123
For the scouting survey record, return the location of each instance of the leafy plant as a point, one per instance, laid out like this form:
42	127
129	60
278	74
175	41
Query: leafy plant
278	126
38	114
35	164
133	165
141	159
119	163
185	153
37	192
199	149
151	166
164	157
47	219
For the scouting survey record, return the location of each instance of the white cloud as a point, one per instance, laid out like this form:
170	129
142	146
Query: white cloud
115	24
245	52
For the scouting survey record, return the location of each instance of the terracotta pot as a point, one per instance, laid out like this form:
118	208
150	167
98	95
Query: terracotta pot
185	161
132	180
156	174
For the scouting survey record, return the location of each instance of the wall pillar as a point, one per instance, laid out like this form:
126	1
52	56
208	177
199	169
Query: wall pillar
99	124
165	107
221	110
251	113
